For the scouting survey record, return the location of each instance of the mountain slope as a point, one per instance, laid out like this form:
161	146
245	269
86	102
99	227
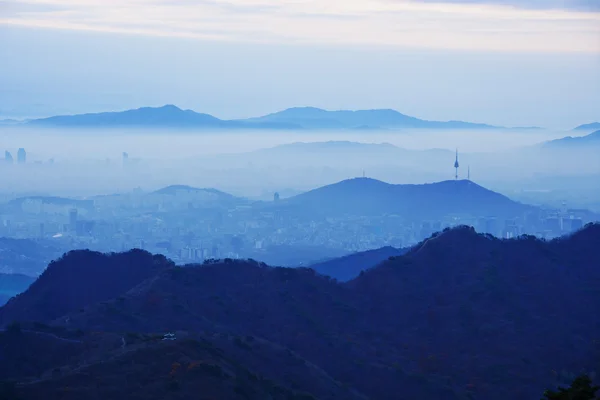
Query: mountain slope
316	118
47	359
588	127
365	196
460	315
168	115
191	367
593	139
293	307
349	267
494	307
78	279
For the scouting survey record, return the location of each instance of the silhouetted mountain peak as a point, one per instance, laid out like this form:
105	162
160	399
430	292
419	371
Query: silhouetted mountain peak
166	109
303	110
583	242
81	278
367	196
461	238
167	115
590	232
170	107
361	183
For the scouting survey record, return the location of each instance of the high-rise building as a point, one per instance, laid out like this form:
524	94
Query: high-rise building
125	158
276	197
8	157
21	156
491	226
552	224
576	224
511	229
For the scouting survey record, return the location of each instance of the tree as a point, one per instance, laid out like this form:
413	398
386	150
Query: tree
581	389
14	328
8	391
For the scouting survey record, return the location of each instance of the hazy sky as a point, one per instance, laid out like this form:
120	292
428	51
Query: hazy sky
508	62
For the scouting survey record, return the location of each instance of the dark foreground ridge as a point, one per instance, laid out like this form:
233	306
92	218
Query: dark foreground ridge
460	316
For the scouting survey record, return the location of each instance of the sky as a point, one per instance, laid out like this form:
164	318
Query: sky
503	62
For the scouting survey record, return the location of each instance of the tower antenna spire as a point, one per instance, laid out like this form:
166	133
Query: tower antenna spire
456	165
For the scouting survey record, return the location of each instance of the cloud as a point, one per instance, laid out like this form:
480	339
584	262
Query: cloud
576	5
8	7
481	25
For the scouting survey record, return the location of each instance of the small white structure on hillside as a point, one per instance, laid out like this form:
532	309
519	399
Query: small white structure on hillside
169	336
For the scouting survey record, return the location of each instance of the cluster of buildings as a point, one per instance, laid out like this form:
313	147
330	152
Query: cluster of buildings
21	157
190	225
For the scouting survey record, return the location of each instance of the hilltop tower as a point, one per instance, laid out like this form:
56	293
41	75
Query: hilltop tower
456	165
469	173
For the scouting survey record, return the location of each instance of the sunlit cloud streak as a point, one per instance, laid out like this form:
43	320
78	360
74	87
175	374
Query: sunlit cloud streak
480	25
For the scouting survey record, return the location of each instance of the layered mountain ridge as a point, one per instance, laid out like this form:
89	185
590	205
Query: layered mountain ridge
460	315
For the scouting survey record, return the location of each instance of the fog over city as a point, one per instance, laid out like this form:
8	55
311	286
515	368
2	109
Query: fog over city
84	162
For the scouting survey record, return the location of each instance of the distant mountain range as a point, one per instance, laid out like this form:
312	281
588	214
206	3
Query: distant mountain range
175	189
316	118
366	196
340	154
593	139
459	316
170	116
333	146
10	122
588	127
377	152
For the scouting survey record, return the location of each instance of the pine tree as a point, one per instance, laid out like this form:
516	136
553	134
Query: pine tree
581	389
